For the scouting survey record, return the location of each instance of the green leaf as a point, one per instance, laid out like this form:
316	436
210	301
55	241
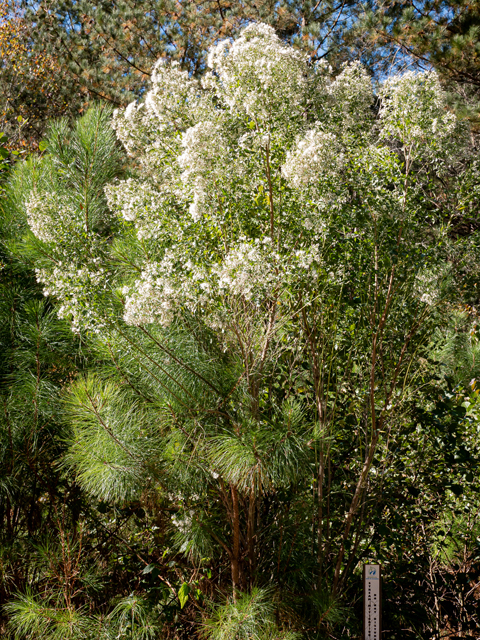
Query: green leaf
149	569
43	145
183	594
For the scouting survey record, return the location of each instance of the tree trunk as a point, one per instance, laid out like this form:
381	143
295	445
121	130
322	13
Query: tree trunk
236	542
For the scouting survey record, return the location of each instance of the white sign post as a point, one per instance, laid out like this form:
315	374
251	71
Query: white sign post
372	602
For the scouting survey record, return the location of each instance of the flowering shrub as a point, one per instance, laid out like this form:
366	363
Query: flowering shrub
413	111
264	149
263	152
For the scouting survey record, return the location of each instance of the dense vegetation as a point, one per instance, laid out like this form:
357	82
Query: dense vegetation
239	334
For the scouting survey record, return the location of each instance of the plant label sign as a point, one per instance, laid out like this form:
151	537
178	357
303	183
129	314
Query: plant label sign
372	599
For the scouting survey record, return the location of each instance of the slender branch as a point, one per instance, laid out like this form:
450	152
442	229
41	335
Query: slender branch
180	362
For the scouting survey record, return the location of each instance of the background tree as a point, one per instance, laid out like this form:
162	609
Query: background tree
31	82
109	48
442	35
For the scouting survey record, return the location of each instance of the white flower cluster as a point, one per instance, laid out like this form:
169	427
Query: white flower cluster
204	148
305	262
163	288
428	283
414	111
174	97
259	75
315	156
128	123
350	100
320	152
248	270
50	219
203	161
142	203
74	286
183	523
152	130
151	299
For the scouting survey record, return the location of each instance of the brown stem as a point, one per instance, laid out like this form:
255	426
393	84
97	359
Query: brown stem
235	559
359	490
319	399
251	533
270	190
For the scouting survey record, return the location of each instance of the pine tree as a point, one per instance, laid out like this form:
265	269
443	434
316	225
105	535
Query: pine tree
109	48
43	511
31	83
39	355
443	35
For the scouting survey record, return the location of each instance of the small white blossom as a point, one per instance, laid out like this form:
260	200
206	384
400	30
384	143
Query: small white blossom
259	75
351	100
428	283
73	286
315	156
414	111
51	219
